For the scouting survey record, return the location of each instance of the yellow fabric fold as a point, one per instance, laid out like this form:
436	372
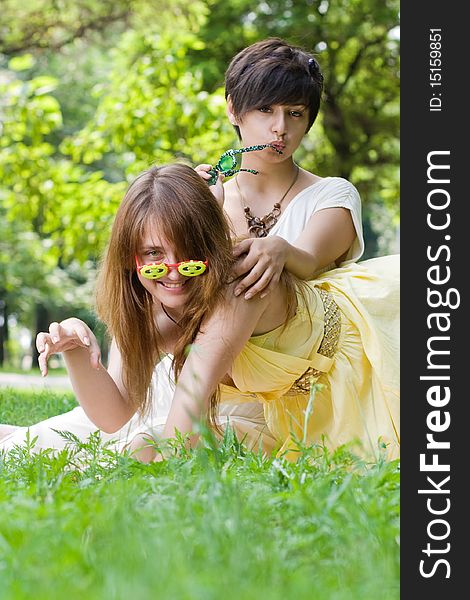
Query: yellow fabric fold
359	399
321	363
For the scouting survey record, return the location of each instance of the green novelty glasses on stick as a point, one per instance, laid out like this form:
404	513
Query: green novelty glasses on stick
228	162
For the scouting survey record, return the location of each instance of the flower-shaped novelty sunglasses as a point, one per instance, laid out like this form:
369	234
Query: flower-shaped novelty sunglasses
156	270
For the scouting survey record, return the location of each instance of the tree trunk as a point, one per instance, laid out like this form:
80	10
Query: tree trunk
41	314
3	330
337	133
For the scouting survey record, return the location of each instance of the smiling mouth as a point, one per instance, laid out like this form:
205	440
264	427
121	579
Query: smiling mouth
172	285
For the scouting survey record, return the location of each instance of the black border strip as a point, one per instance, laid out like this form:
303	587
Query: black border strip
432	567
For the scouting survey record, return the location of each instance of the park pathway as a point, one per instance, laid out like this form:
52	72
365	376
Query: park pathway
34	382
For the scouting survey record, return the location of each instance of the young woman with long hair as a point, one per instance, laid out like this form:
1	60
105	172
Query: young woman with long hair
165	286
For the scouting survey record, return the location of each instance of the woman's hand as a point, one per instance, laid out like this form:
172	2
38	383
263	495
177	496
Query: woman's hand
217	189
263	259
64	336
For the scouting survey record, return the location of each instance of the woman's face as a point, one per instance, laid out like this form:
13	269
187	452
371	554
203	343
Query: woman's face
282	123
171	289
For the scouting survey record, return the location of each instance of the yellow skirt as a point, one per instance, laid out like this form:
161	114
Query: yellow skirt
358	402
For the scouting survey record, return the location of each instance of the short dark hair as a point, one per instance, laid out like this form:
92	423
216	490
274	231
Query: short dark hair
273	72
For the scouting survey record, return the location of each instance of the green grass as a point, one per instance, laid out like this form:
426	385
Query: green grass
219	522
21	407
34	371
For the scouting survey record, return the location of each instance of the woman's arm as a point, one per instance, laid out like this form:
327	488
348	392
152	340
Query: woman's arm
100	392
220	340
327	237
329	234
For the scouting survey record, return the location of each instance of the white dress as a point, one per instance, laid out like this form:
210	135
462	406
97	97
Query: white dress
248	418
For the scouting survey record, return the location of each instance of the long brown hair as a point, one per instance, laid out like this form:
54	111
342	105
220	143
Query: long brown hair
178	202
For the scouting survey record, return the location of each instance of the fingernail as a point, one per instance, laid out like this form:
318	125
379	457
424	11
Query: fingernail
248	296
264	294
55	339
238	292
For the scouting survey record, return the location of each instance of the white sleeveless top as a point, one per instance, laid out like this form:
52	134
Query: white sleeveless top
329	192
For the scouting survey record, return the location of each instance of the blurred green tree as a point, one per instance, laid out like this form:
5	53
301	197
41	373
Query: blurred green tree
45	234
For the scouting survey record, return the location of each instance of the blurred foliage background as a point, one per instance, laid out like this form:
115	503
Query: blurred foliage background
93	91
